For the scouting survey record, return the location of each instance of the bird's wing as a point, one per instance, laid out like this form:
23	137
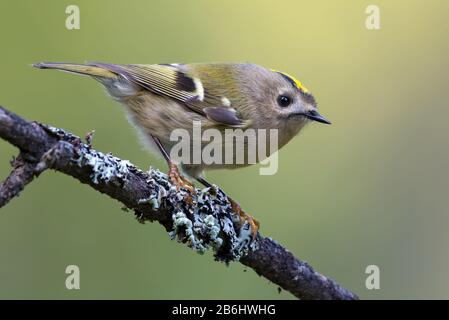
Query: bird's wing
174	82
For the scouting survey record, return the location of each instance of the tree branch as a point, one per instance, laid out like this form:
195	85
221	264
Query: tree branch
203	220
21	174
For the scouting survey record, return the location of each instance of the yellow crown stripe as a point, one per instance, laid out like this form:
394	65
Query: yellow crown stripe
298	83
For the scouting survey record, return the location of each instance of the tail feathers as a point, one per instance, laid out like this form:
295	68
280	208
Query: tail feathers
85	69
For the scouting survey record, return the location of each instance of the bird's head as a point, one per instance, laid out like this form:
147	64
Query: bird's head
294	102
282	102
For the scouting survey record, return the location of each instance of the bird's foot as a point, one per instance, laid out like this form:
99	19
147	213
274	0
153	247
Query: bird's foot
178	180
244	217
89	137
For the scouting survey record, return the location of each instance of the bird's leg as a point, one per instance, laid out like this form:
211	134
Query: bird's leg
173	172
178	179
244	217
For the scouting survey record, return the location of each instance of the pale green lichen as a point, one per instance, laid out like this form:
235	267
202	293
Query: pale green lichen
105	167
213	228
181	222
206	222
152	201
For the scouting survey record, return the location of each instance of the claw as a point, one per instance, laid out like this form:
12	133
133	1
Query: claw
244	217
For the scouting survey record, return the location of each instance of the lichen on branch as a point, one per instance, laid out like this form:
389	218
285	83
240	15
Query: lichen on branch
206	221
203	220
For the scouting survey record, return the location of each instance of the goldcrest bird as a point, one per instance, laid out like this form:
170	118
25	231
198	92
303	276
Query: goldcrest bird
162	97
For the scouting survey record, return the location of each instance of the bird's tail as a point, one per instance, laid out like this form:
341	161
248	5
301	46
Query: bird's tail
84	69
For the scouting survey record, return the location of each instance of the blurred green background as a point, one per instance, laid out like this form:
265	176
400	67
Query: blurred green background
370	189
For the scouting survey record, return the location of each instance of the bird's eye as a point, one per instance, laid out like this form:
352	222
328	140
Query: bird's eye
284	101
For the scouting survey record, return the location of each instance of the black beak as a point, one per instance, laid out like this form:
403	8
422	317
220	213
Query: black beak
315	116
